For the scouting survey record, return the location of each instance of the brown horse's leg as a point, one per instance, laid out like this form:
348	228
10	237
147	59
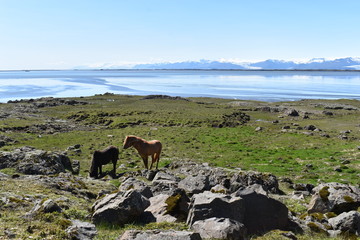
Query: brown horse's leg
152	160
157	159
145	160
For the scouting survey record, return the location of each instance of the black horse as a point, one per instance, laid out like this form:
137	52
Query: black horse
110	154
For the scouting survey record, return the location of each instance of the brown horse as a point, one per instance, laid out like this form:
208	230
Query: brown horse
110	154
145	149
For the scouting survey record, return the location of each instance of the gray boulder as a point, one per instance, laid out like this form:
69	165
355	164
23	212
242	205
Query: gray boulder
76	166
163	177
167	207
220	228
81	230
262	213
159	209
159	235
50	206
334	197
207	205
140	186
164	183
119	208
255	187
347	222
195	184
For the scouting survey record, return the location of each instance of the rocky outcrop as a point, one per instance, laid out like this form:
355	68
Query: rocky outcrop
239	204
334	197
232	120
233	181
33	161
164	97
4	140
159	235
49	102
242	180
119	208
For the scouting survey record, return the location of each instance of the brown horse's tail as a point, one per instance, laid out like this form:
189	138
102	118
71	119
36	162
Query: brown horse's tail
158	155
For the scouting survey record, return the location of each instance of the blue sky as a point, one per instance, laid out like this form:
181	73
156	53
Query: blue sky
53	34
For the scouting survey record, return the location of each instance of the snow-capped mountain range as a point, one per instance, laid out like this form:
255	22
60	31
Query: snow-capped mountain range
313	64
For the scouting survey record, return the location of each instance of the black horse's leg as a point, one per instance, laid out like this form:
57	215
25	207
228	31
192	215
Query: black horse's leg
114	167
100	170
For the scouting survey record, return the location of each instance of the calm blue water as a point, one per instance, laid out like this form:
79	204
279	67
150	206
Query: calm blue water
247	85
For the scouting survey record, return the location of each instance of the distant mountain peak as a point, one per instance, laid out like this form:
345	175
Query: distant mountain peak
349	63
319	60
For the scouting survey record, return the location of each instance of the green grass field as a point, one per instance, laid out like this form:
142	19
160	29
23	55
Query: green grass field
185	129
209	130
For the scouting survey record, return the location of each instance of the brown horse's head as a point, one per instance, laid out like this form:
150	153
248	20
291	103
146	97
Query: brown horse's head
129	141
94	166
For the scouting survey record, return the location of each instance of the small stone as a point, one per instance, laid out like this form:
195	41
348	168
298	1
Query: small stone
81	230
328	113
345	162
345	132
310	128
343	137
309	166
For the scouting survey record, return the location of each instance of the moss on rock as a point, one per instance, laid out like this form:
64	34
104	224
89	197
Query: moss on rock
324	193
172	202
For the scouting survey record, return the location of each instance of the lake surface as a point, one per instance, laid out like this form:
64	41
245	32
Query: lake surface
248	85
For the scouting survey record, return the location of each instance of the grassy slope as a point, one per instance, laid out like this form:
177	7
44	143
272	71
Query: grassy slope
185	130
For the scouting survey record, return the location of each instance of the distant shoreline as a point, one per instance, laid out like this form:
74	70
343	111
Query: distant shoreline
261	85
190	69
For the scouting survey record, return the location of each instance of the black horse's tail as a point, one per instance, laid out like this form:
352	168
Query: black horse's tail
93	168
